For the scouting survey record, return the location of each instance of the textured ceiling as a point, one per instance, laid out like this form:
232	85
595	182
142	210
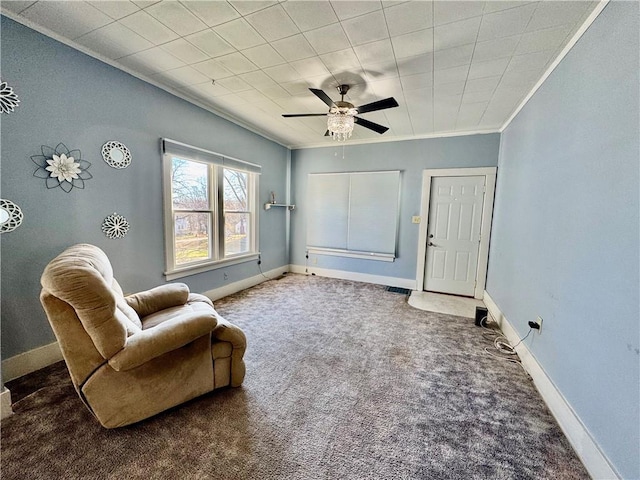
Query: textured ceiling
453	66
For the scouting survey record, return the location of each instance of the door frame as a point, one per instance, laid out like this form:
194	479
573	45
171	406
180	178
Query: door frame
490	174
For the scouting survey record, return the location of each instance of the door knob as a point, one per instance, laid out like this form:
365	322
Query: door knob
431	244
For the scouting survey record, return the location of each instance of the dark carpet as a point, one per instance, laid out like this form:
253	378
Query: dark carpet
344	381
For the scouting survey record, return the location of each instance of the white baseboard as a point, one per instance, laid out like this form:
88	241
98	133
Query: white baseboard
240	285
594	460
5	403
355	276
30	361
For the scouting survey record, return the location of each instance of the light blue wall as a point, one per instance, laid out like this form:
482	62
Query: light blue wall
69	97
565	239
411	157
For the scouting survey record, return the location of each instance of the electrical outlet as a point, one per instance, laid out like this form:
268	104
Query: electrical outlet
226	275
415	219
536	325
314	261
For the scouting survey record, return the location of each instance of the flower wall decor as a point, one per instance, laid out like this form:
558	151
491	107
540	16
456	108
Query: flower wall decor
8	99
10	216
115	226
61	167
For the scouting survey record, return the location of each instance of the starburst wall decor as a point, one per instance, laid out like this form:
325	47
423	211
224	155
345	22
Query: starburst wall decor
61	167
8	99
115	226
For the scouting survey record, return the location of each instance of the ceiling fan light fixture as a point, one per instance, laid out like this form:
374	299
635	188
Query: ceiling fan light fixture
340	122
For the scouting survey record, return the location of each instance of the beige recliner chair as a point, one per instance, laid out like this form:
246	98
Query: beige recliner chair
131	357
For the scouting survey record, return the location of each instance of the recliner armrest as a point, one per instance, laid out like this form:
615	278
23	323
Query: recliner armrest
165	337
158	298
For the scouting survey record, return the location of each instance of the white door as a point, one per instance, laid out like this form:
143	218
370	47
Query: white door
453	234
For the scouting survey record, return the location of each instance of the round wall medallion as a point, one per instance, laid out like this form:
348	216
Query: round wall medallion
115	226
10	216
116	154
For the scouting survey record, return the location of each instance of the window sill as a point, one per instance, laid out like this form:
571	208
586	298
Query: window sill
205	267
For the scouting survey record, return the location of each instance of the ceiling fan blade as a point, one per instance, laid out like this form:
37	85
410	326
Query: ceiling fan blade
322	96
326	134
379	105
304	114
370	125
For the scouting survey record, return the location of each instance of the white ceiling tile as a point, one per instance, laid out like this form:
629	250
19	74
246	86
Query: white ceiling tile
390	87
264	56
245	7
448	12
116	9
488	69
341	60
274	91
354	77
470	114
487	84
411	44
177	17
310	14
412	82
418	64
409	17
347	9
183	76
497	5
231	100
530	61
273	23
452	57
239	34
375	52
381	71
506	22
213	69
185	51
237	63
310	67
327	39
547	39
282	73
151	61
551	14
252	96
366	28
17	6
70	23
145	3
525	79
210	42
257	79
447	89
494	49
456	34
450	75
147	26
207	90
476	97
297	87
234	84
114	41
212	13
294	48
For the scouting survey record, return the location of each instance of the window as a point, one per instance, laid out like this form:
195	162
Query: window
210	211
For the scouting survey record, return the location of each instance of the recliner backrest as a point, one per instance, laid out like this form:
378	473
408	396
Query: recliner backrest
82	276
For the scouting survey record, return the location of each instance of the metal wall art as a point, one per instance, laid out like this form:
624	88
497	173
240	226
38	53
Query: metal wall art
116	154
8	99
115	226
61	167
10	216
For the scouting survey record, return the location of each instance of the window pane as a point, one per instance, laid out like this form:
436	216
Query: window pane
189	183
192	237
235	190
236	233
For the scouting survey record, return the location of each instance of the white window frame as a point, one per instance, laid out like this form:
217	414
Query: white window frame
217	258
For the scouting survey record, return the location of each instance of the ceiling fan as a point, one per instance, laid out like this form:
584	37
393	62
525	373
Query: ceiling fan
341	116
